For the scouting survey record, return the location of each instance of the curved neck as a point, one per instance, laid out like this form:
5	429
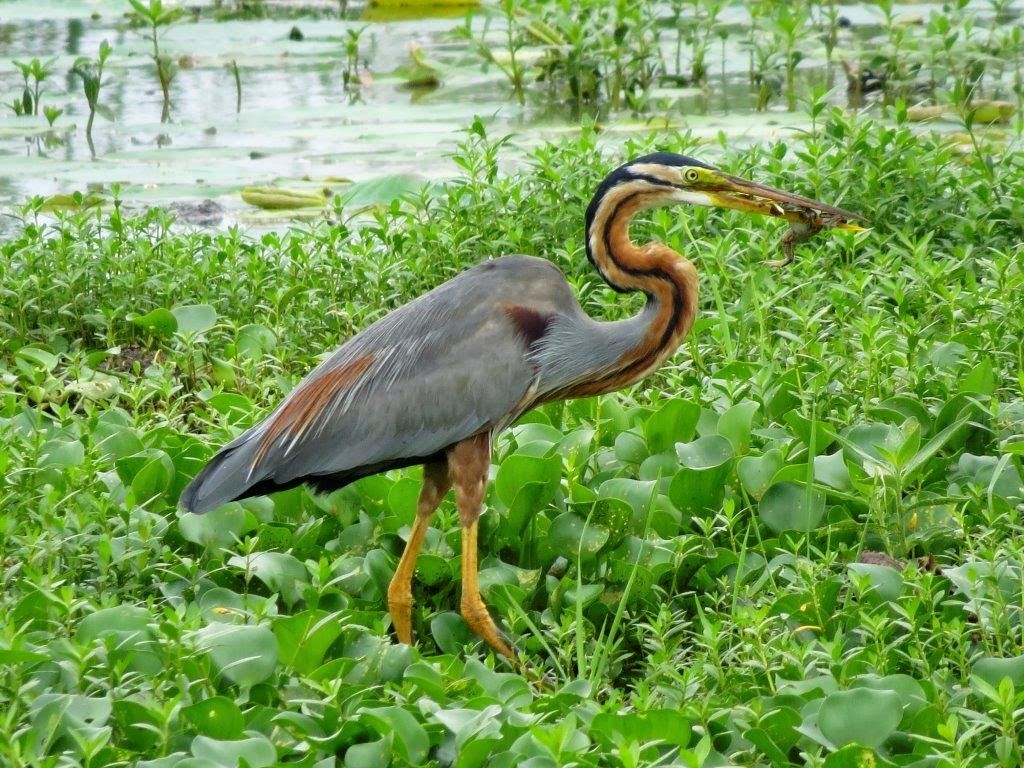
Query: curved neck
668	279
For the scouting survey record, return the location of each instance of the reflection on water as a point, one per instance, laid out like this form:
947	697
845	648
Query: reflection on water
297	122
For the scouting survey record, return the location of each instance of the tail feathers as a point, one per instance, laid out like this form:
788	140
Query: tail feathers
225	478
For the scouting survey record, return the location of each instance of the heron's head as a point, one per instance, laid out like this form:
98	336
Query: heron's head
664	178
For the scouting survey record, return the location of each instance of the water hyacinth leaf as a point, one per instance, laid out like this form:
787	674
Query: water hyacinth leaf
736	423
886	583
193	319
370	754
674	422
989	472
254	340
699	486
871	443
62	453
756	472
993	670
518	469
148	473
281	572
243	654
80	718
304	638
217	717
909	690
139	724
159	322
664	726
410	739
789	507
380	191
831	470
255	751
218	529
129	630
817	432
630	447
572	537
860	716
450	632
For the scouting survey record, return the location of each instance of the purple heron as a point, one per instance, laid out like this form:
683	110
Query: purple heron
435	380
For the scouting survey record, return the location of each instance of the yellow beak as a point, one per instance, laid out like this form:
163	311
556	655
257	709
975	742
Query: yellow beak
728	191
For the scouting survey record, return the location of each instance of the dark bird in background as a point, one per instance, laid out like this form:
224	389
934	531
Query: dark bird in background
434	381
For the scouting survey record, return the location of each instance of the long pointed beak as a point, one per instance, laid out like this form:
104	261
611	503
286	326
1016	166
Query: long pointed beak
729	191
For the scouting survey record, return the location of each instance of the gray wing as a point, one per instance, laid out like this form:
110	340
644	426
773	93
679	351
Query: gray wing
444	367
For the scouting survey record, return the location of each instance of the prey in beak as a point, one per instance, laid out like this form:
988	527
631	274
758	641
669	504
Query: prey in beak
806	217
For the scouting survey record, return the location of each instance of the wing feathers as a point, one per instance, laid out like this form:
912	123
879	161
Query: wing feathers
303	407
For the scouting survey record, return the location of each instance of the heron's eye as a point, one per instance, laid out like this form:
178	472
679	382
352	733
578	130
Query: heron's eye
691	175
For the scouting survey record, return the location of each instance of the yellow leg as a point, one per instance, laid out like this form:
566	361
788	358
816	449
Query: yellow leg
436	483
473	609
468	463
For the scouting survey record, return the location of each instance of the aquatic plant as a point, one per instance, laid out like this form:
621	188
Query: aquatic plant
37	71
154	16
90	71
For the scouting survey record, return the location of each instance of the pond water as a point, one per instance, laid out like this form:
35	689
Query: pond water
298	127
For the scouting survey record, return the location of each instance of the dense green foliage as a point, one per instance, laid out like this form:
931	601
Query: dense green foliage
798	544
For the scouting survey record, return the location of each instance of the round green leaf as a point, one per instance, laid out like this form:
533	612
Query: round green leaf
195	318
699	486
217	717
672	423
571	537
243	654
253	341
992	670
217	529
860	716
886	582
257	751
788	507
756	472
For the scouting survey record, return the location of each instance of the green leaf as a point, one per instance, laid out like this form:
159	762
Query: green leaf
148	473
735	425
699	486
674	422
756	472
380	191
831	470
994	670
519	469
160	322
194	318
217	717
411	740
243	654
218	529
788	507
855	756
571	537
860	716
886	582
304	638
256	751
280	571
371	754
38	358
129	630
253	341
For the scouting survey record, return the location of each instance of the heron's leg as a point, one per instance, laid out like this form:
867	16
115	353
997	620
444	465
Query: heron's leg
436	482
469	462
